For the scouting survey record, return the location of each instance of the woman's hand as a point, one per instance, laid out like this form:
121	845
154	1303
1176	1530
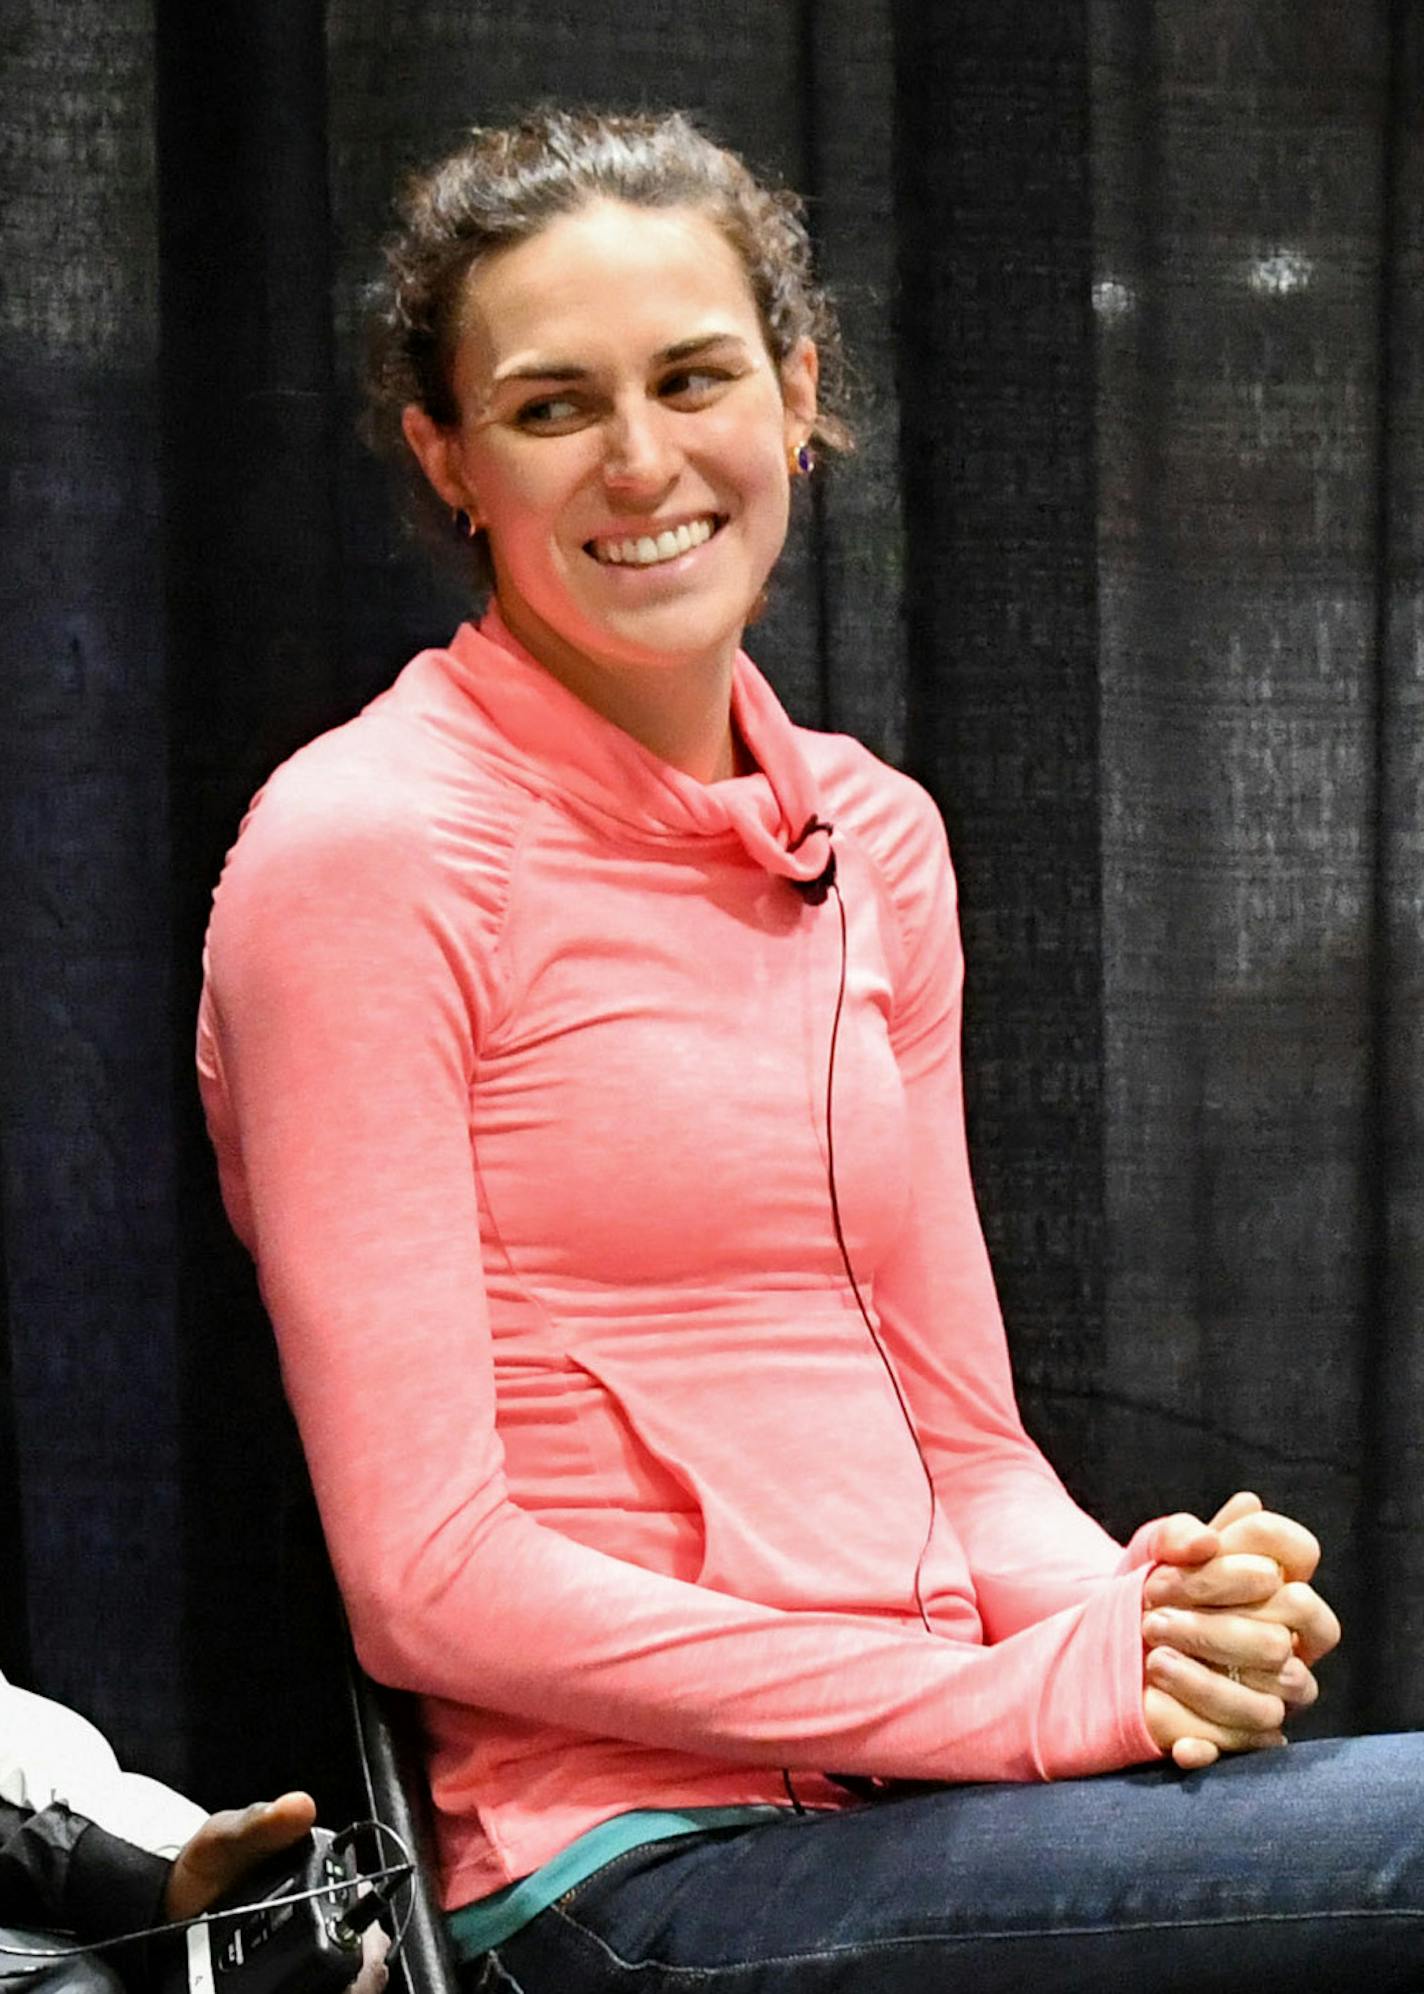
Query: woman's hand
1213	1608
1231	1629
1195	1740
1192	1567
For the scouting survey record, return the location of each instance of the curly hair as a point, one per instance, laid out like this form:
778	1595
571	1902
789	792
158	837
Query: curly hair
506	183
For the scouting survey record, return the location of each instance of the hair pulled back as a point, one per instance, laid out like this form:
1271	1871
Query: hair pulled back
501	187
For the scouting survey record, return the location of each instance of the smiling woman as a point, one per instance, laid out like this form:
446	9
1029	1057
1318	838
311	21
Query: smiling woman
595	1123
608	375
624	440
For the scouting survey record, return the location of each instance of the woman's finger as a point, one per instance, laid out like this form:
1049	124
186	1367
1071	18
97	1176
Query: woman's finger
1171	1721
1243	1503
1295	1549
1237	1578
1184	1539
1261	1651
1223	1638
1295	1684
1309	1618
1211	1694
1194	1754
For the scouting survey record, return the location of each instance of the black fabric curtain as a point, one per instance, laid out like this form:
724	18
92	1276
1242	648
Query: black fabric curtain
1127	570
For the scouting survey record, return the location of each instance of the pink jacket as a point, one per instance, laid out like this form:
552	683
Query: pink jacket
513	1049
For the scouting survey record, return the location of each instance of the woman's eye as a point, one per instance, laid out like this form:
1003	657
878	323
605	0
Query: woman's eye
554	412
693	384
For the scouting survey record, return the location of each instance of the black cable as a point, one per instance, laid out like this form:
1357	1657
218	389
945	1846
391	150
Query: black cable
866	1788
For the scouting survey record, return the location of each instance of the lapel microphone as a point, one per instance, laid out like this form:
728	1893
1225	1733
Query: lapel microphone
814	891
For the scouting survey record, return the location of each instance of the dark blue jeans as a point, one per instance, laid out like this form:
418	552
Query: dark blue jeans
1285	1871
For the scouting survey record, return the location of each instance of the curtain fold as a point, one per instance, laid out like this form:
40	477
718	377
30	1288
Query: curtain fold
253	639
1392	1509
994	346
86	1138
15	1660
856	527
1126	567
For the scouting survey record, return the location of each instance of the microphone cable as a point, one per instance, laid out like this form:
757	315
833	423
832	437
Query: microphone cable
865	1786
873	1332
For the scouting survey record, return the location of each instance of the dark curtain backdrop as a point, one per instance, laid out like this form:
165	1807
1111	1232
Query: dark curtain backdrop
1127	570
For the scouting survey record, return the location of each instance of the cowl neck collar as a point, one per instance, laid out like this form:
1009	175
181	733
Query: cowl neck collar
570	749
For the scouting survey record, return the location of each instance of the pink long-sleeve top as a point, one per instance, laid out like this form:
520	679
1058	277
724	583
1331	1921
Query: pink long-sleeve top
514	1052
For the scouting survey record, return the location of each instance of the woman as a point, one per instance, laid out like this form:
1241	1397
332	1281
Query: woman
580	1048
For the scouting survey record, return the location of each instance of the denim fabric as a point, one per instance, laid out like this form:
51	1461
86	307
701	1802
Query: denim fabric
1292	1870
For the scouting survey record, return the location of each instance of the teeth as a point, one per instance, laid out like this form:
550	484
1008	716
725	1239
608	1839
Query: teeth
647	551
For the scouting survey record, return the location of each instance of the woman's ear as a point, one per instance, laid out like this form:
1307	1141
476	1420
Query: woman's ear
800	372
436	449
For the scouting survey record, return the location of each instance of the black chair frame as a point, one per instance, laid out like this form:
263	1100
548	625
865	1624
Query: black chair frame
388	1734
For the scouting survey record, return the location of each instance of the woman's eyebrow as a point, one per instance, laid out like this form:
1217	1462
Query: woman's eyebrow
541	370
569	370
686	349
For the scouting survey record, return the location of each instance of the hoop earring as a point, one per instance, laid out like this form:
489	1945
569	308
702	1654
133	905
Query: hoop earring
463	523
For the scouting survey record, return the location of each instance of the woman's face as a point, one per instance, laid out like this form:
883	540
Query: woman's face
623	437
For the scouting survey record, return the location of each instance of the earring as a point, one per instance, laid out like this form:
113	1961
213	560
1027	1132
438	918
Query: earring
799	460
463	523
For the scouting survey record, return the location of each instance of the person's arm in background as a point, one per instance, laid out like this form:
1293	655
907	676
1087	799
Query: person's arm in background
50	1752
61	1871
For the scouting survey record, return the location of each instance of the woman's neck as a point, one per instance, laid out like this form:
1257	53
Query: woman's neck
682	713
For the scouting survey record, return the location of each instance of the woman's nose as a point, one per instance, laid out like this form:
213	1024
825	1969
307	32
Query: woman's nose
640	453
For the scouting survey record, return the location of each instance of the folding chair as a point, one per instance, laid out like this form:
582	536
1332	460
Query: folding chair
388	1735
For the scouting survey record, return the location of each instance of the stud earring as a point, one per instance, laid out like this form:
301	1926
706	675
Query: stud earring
799	460
463	523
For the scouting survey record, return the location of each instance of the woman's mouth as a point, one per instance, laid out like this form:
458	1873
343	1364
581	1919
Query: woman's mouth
650	550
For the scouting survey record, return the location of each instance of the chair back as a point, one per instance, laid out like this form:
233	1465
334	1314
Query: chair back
388	1733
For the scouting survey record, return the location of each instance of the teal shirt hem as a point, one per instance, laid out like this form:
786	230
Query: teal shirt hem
474	1928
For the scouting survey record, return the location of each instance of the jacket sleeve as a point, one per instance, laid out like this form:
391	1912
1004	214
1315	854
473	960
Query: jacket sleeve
338	1048
59	1871
1032	1551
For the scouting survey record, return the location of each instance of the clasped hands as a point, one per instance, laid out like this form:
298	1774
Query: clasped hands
1231	1631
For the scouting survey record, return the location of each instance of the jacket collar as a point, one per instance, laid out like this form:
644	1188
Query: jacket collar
568	748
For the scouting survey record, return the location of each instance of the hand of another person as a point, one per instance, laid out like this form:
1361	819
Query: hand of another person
230	1844
1230	1631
